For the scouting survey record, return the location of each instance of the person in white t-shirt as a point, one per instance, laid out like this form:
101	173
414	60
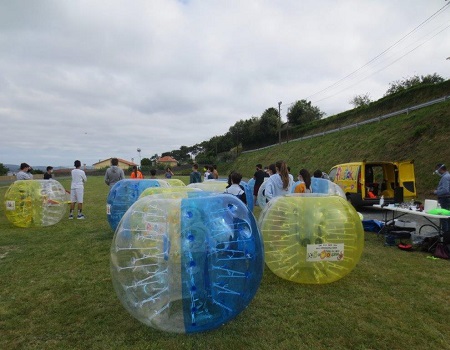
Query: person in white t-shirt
235	188
77	190
207	173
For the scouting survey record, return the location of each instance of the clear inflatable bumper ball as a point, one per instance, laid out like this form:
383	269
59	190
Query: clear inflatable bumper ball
189	264
311	238
30	203
248	194
177	191
319	185
210	186
175	182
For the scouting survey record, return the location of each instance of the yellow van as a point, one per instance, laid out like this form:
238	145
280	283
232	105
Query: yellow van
365	182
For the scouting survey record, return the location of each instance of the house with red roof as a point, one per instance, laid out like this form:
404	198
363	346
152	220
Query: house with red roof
167	161
123	164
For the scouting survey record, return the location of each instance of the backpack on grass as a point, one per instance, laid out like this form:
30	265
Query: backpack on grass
442	251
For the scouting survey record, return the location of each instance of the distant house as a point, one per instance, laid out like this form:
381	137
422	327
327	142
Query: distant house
168	161
123	164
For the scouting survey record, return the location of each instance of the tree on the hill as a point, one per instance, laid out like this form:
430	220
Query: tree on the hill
268	125
407	83
194	150
3	170
360	100
241	131
302	112
432	79
146	162
154	158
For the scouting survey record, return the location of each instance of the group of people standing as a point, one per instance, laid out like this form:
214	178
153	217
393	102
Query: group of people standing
280	180
114	173
210	173
137	174
76	185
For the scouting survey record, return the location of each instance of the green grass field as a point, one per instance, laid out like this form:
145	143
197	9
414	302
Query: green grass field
56	293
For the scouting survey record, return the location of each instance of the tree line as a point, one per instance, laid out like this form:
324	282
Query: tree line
257	131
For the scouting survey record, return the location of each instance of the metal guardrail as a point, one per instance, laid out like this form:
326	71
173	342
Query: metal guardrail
368	121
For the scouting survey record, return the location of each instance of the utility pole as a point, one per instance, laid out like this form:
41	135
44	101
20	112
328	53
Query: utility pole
237	146
279	122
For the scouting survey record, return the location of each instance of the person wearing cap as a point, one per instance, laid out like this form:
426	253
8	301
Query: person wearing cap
443	195
25	172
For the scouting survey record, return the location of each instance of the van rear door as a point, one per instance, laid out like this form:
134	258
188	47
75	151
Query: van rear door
406	178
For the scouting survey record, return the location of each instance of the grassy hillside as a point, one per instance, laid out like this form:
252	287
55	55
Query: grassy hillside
392	103
421	135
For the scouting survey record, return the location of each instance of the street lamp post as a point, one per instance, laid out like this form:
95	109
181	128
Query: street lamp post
139	152
279	122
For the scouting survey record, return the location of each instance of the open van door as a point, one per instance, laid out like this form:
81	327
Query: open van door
406	178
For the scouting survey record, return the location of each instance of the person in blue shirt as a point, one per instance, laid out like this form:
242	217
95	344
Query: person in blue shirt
168	173
195	175
443	194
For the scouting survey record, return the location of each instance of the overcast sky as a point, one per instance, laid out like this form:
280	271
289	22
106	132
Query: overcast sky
92	79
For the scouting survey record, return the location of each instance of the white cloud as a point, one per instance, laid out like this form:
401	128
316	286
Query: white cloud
94	79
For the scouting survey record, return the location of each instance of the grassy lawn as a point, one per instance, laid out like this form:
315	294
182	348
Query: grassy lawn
56	293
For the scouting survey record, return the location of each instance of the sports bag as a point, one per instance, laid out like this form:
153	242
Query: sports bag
442	251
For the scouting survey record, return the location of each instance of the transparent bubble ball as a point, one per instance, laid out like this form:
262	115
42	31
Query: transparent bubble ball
30	203
311	238
187	264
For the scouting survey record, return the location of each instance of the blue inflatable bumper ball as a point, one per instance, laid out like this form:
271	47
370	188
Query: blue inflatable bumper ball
188	264
122	195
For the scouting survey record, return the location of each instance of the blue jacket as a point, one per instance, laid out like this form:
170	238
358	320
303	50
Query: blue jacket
443	189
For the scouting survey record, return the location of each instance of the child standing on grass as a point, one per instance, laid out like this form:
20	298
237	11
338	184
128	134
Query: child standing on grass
195	175
77	190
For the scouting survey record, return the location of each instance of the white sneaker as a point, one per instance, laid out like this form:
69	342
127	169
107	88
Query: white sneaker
70	216
80	217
